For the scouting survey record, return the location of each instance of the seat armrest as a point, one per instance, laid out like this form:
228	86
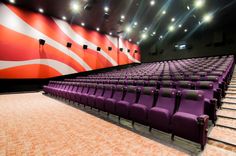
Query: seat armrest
203	119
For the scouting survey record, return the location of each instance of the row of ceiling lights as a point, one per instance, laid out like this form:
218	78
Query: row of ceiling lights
197	4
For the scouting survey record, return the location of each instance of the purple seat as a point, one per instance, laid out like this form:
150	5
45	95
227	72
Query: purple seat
122	107
110	103
153	83
139	110
84	91
189	121
181	85
91	98
84	96
167	84
77	89
99	102
160	116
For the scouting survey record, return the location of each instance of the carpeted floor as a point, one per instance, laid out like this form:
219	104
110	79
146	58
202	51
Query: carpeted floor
33	124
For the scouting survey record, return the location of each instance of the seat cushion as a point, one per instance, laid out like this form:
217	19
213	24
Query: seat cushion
99	102
110	105
138	113
122	109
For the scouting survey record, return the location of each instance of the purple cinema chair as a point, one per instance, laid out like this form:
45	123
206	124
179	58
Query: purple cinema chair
122	107
110	103
77	89
160	116
189	121
84	91
181	85
91	98
139	110
84	96
99	101
167	84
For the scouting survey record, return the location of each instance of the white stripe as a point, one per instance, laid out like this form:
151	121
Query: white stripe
10	20
66	28
62	68
121	45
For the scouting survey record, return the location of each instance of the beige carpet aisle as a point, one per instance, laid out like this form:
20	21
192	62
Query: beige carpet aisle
34	124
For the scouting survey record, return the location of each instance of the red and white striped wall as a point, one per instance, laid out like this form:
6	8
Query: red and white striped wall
22	57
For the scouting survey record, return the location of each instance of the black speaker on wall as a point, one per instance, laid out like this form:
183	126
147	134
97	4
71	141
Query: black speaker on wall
85	46
68	44
128	50
98	49
121	49
136	51
110	48
41	41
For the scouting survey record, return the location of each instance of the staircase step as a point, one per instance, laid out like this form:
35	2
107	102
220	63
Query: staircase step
224	135
232	86
231	89
229	106
230	123
219	149
231	92
231	96
227	113
228	100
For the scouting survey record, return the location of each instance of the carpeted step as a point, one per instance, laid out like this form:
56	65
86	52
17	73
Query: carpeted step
229	106
228	100
230	92
222	134
231	96
230	123
231	89
227	113
218	149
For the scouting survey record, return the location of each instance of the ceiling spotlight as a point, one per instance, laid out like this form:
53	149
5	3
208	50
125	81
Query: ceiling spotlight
145	28
64	17
135	23
154	33
12	1
164	12
143	36
161	37
171	28
41	10
185	30
83	24
138	43
172	19
180	25
152	2
128	29
110	33
106	9
199	3
188	7
122	17
130	40
207	18
98	29
75	7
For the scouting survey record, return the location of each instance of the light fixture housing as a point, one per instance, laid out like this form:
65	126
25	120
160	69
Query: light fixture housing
106	8
12	1
75	7
64	17
41	10
98	29
152	2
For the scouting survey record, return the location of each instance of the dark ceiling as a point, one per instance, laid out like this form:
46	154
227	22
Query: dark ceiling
140	11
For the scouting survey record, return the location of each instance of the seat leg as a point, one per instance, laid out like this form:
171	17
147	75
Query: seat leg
202	147
107	114
119	118
132	123
150	128
172	137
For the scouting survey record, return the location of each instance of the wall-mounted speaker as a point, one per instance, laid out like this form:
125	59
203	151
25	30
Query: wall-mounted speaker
121	49
85	46
136	51
41	41
98	49
110	48
68	44
128	50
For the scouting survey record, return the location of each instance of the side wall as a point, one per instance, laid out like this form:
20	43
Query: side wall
22	57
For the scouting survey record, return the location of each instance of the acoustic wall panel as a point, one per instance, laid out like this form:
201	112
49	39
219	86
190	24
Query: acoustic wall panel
21	56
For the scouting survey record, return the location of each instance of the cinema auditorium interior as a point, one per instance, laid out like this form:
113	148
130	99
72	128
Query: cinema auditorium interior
117	77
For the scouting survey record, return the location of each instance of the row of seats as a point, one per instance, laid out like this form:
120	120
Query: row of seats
166	109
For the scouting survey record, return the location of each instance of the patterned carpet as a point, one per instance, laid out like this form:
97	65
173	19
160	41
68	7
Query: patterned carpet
33	124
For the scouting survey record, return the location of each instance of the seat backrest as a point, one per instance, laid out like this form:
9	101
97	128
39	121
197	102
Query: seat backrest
167	84
131	94
192	101
147	96
207	87
180	85
167	99
85	88
99	90
92	89
108	91
118	93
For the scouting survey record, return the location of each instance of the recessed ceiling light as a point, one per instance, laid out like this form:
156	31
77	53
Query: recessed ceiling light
135	23
41	10
207	18
83	24
12	1
130	40
180	25
164	12
171	28
199	3
122	17
128	29
143	36
145	28
188	7
161	37
98	29
152	2
138	43
185	30
74	6
110	33
172	19
64	17
106	9
154	33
